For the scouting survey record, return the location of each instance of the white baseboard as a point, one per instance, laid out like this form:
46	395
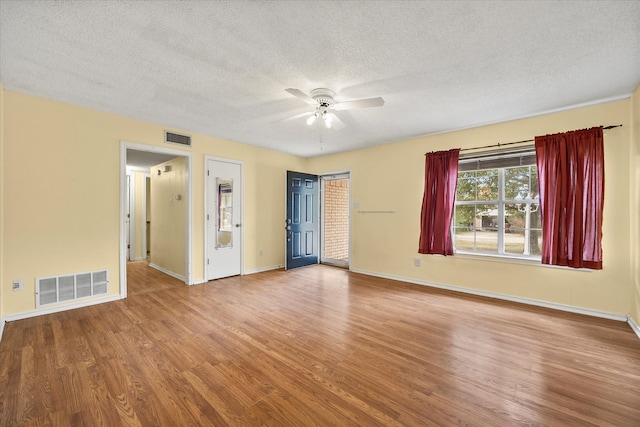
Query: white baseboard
170	273
555	306
2	322
634	325
263	269
59	308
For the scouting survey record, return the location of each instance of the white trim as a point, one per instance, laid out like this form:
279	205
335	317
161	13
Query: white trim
509	259
263	269
634	325
206	204
168	272
555	306
2	322
59	308
124	146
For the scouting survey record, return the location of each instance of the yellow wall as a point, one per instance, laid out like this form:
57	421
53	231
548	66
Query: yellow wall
61	193
61	213
634	195
168	209
390	177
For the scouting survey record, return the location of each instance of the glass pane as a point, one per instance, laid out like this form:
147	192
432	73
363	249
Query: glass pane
487	184
516	183
514	217
486	222
535	221
514	242
225	213
522	229
466	188
467	175
486	241
534	182
464	239
535	242
464	217
486	217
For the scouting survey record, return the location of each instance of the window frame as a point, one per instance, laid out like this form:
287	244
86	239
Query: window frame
500	161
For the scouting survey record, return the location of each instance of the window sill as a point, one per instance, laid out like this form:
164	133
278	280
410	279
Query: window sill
514	260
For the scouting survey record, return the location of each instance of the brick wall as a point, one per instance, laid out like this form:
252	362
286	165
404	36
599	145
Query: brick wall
336	220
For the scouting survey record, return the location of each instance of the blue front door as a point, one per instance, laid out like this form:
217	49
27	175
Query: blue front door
302	228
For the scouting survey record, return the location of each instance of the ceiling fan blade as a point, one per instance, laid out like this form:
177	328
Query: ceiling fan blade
360	103
297	116
300	94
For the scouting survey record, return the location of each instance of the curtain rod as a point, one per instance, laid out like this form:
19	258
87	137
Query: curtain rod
523	141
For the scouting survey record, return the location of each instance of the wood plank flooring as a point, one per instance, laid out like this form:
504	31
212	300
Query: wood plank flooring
317	346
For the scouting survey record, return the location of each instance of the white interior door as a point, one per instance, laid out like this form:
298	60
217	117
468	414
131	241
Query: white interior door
224	218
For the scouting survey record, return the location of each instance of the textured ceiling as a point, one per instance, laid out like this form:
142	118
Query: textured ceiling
221	68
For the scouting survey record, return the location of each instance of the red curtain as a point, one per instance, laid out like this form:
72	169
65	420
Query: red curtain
440	178
571	181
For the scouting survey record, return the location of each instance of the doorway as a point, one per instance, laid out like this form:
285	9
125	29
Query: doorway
140	158
318	222
335	219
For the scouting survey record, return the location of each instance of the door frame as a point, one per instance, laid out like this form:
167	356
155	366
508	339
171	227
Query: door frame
124	146
344	174
206	204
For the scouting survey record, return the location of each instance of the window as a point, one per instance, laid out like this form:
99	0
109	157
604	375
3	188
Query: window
496	209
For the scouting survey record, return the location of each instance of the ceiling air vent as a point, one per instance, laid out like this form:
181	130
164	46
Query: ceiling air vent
175	138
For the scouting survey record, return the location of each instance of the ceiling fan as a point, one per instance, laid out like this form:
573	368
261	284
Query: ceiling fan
323	101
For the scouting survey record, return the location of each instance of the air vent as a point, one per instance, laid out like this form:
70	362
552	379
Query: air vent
71	287
175	138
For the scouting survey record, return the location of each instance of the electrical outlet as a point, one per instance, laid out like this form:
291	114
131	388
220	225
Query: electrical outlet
18	285
416	262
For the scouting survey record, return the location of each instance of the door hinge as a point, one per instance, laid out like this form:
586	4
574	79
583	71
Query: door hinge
207	217
207	172
207	261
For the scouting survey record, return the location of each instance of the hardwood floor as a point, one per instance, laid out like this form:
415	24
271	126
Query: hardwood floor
315	346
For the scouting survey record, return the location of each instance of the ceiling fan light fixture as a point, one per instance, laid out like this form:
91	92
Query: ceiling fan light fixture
327	120
312	118
322	99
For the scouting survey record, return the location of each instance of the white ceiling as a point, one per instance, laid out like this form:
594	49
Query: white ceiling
221	68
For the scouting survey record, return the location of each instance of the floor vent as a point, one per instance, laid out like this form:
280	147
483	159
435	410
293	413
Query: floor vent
175	138
71	287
